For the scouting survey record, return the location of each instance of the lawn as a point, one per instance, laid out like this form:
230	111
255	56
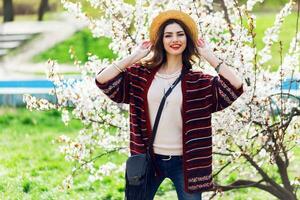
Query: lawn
32	168
83	43
265	20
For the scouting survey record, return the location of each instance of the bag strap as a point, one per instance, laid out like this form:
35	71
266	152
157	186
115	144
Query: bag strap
160	108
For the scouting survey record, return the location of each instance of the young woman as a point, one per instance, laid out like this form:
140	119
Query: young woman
182	148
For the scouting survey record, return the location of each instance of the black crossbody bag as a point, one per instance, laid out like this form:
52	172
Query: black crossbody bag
140	168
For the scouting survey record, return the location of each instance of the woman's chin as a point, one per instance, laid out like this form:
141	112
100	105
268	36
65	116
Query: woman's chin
175	52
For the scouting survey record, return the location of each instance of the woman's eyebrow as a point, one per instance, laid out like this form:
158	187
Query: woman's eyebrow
176	32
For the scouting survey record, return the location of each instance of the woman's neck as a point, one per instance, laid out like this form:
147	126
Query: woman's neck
173	64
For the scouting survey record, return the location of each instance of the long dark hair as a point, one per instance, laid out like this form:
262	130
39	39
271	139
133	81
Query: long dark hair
159	53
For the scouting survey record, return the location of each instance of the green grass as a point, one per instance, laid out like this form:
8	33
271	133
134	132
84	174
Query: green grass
82	42
267	5
288	31
31	166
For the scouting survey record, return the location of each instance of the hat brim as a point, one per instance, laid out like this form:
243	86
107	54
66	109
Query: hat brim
172	14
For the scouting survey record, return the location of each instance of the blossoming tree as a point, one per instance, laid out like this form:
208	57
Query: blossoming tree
253	138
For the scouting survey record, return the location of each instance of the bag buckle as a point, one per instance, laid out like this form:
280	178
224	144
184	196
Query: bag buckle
135	180
166	159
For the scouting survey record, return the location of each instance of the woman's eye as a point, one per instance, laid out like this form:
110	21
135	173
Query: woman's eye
168	36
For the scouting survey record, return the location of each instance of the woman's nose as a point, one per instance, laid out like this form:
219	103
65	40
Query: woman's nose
175	38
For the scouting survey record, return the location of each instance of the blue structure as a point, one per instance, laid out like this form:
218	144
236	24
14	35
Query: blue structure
27	84
290	90
11	92
292	84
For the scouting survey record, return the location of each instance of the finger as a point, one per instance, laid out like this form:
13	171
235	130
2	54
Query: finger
198	42
202	43
144	45
149	47
149	44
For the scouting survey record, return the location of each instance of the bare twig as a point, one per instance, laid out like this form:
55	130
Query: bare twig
95	158
124	26
198	15
222	168
226	15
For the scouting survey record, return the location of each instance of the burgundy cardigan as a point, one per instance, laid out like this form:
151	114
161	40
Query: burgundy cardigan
202	95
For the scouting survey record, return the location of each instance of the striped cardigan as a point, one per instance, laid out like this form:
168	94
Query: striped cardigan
202	95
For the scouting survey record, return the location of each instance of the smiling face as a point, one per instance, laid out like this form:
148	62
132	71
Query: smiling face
174	39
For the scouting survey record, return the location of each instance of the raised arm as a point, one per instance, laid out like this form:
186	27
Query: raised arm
226	87
114	79
112	71
214	61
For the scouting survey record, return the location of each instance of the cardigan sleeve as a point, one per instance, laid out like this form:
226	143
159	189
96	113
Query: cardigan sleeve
223	93
117	88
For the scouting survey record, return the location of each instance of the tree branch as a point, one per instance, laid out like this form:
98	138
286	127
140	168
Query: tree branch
222	154
222	168
266	178
95	158
282	169
125	28
227	17
246	183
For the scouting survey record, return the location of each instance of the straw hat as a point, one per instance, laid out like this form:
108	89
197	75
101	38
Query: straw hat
172	14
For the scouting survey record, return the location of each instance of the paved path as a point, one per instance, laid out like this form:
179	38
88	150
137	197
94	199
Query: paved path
27	71
50	33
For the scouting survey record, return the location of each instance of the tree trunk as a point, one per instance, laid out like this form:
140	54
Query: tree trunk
8	10
42	9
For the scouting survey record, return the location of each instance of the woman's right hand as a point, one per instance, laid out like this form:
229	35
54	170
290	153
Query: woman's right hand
142	50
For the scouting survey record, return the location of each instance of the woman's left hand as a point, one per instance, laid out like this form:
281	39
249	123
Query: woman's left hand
204	50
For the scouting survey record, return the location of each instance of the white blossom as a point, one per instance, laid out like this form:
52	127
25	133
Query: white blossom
251	3
105	123
271	34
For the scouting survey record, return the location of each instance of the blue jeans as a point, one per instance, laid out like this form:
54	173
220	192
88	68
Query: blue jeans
172	168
